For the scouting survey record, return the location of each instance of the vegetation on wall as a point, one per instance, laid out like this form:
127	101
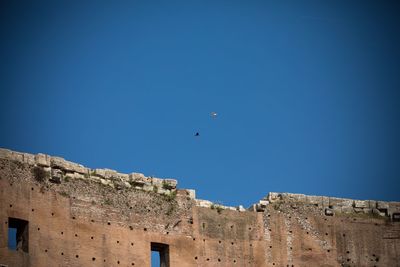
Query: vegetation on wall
40	174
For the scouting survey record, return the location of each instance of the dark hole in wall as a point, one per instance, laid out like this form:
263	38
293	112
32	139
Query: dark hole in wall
396	217
18	234
385	211
163	254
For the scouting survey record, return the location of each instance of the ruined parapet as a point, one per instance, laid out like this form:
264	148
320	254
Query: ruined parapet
331	206
58	170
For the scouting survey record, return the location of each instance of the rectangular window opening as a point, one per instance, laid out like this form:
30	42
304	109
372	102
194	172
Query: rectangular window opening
159	255
18	235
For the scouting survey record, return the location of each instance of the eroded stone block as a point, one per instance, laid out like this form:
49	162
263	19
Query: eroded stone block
42	160
347	209
296	197
382	205
29	159
314	200
203	203
157	182
191	193
361	204
56	176
5	153
148	187
170	183
110	174
100	172
17	156
272	196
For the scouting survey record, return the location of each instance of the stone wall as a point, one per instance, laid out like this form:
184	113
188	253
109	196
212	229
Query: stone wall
60	170
79	216
77	219
332	205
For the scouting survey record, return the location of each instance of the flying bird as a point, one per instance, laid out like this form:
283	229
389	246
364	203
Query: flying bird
196	134
213	114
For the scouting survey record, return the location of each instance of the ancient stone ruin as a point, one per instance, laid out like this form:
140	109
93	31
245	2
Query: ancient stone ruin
59	213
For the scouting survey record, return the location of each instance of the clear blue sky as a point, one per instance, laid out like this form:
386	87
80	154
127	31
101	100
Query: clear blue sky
307	92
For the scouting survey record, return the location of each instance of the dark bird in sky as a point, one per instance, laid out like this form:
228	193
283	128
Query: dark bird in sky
196	134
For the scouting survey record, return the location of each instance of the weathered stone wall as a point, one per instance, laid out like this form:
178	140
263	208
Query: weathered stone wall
305	230
76	219
98	217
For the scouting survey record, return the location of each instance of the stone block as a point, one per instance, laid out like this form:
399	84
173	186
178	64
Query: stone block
361	204
94	178
79	176
69	175
29	159
56	176
372	204
119	185
42	160
296	197
314	200
240	208
157	182
340	202
394	205
136	176
163	191
170	183
123	176
378	212
69	166
203	203
5	153
140	178
191	193
100	172
104	181
16	156
74	167
367	210
148	187
347	210
358	210
110	174
272	196
382	205
59	163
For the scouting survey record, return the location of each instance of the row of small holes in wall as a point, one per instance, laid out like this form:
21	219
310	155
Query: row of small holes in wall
93	258
208	259
92	237
76	235
219	225
108	223
219	241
